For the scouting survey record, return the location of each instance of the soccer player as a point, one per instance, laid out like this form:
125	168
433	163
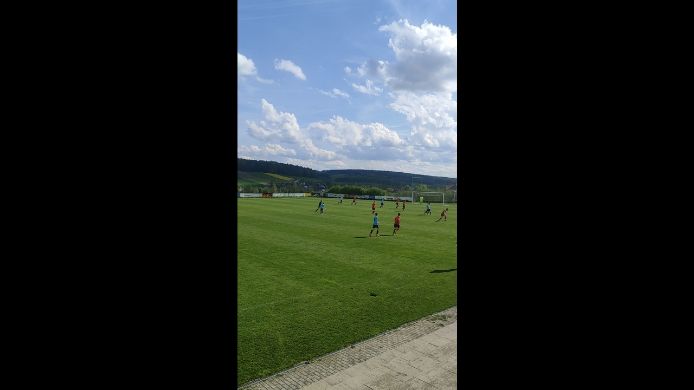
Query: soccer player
403	205
396	224
322	207
381	202
428	210
375	225
373	207
340	202
397	204
320	202
444	215
354	199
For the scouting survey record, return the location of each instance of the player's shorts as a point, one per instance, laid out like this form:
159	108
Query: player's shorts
374	227
396	226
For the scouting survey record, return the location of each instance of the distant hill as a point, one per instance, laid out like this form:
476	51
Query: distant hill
385	178
254	174
275	167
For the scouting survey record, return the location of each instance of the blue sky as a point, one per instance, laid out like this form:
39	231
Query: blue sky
349	84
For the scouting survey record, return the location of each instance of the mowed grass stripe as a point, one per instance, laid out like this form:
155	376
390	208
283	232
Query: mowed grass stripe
305	281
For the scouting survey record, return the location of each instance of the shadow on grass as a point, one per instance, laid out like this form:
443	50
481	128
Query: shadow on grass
438	271
380	235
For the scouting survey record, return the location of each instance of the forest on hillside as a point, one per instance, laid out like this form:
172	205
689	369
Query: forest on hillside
354	181
275	167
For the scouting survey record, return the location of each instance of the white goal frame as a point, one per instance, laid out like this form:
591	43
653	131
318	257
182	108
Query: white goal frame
443	196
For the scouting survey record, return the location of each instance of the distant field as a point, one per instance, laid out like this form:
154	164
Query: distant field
276	176
259	178
309	284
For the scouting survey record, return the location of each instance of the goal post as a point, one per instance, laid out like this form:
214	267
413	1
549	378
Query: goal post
432	195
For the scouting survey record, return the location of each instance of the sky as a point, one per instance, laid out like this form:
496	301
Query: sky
349	84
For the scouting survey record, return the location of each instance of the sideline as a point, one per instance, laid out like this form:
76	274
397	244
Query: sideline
419	354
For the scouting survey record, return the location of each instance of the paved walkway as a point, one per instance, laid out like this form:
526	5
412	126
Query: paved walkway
418	355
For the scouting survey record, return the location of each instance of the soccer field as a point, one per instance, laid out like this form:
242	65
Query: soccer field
309	284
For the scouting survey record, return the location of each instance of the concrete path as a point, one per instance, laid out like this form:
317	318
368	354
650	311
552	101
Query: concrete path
418	355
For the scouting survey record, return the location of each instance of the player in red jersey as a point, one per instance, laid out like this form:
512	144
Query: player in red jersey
396	224
444	215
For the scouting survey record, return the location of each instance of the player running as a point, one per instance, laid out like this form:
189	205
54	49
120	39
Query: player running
375	225
320	202
397	204
396	224
322	207
381	202
354	199
428	210
444	215
373	207
403	205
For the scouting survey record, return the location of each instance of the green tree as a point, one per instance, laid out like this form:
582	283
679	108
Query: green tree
374	191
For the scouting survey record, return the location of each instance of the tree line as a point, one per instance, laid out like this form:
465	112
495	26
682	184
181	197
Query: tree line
356	190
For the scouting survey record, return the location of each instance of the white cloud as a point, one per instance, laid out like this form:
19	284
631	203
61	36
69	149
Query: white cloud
290	67
369	88
348	70
269	150
426	57
280	126
245	66
316	152
335	93
435	110
342	132
340	93
422	80
433	118
283	127
373	68
264	81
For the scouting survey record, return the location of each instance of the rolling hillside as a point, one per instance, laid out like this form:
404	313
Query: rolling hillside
261	178
286	177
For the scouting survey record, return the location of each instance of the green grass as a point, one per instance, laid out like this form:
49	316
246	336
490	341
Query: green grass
309	284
